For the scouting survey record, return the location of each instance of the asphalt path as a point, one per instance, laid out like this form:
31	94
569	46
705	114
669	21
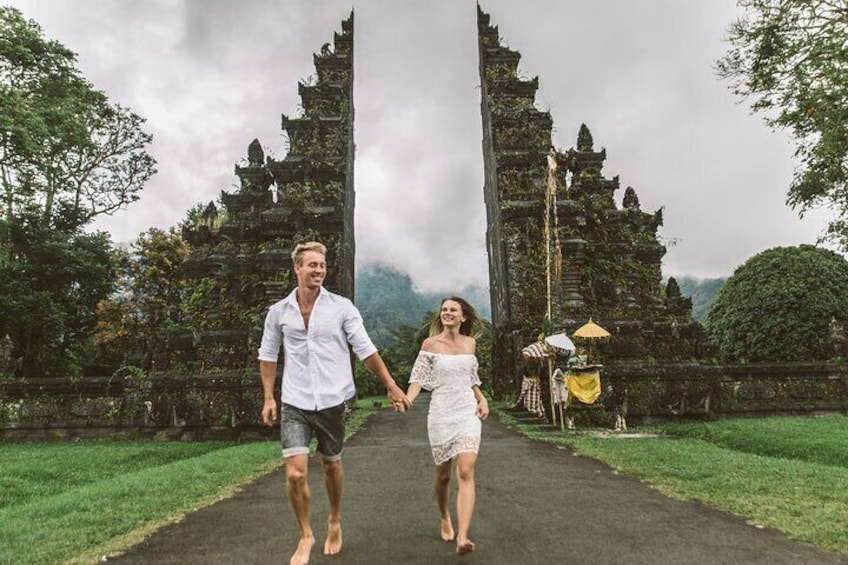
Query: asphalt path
536	503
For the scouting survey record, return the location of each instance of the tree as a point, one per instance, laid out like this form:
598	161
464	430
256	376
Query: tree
66	152
781	305
49	294
67	155
791	58
146	309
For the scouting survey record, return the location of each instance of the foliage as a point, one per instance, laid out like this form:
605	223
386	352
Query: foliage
702	292
66	151
779	305
147	305
790	57
49	291
67	155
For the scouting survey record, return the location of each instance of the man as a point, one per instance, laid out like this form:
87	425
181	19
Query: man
316	327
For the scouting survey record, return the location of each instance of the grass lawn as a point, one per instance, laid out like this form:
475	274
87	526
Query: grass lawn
74	502
789	473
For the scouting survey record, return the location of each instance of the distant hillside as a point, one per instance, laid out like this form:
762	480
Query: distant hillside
702	292
387	300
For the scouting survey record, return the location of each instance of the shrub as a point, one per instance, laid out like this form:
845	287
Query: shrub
784	304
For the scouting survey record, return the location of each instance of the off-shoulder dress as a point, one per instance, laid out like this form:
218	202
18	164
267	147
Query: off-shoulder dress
452	424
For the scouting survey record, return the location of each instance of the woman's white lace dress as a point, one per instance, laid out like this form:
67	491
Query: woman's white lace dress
452	423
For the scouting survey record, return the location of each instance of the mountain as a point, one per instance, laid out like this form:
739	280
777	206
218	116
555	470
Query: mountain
387	300
702	292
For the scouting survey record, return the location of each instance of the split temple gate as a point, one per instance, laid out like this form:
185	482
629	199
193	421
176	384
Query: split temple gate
560	251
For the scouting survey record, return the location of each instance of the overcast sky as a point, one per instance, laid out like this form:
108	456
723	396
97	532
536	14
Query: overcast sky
212	75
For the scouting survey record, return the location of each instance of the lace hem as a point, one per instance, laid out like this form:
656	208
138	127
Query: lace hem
448	451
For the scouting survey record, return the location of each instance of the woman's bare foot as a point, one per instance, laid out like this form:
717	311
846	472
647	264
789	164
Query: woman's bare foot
463	547
447	528
333	545
304	548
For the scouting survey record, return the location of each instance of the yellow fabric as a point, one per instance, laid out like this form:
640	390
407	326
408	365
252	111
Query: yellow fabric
585	387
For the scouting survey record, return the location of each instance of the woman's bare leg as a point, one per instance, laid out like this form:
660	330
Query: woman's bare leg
442	487
465	498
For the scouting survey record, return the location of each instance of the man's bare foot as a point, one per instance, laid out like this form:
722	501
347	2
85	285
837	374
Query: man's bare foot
304	548
447	529
464	547
333	545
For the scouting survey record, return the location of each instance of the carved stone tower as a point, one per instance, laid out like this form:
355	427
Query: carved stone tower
558	245
242	252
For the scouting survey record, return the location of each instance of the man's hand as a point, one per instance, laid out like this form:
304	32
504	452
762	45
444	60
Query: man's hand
398	399
269	412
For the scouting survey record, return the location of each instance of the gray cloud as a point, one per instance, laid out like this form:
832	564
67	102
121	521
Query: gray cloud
212	75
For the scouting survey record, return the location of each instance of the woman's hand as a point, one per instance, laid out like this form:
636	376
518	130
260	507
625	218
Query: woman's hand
482	409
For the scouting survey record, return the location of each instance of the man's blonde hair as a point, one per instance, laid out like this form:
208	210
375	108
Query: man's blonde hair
301	248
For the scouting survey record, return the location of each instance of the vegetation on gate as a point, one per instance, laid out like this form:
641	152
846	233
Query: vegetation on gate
781	472
784	304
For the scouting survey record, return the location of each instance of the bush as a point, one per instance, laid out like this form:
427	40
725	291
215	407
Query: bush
784	304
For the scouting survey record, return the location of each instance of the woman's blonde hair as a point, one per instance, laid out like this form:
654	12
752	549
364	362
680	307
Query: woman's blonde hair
471	326
301	248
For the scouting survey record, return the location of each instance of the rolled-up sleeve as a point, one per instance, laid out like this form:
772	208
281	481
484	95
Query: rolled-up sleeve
272	337
357	337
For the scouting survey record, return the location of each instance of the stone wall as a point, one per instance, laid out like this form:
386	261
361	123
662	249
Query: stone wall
227	406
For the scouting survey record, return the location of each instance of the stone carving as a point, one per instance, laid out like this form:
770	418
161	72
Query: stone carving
608	259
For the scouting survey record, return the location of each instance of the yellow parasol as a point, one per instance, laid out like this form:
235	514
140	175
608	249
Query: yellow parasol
591	330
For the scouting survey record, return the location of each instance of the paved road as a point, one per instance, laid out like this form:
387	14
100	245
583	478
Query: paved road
536	503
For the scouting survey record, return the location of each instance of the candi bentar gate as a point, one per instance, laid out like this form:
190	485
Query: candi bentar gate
560	250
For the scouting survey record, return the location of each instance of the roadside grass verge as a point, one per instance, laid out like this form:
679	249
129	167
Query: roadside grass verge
74	503
785	473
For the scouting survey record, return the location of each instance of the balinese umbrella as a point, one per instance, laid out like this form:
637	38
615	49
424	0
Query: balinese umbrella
591	331
560	343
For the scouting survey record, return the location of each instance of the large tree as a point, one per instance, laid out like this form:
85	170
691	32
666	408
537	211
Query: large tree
67	155
66	151
784	304
790	57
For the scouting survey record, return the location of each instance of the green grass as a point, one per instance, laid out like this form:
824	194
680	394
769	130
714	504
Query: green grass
786	473
72	503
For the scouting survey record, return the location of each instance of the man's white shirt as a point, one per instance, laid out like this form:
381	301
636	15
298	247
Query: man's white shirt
317	371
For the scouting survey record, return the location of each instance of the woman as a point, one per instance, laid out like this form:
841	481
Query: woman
446	365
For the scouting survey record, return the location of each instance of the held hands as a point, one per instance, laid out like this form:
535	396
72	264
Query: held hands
482	411
269	412
399	400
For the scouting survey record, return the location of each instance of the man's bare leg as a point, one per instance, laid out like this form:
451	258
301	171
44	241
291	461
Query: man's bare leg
465	498
299	495
442	487
334	481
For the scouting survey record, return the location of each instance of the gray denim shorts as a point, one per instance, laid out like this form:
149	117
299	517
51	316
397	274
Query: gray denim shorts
298	427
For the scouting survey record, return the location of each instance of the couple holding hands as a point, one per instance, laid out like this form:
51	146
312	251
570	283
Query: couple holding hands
317	329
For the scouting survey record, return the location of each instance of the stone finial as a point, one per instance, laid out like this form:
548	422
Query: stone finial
672	289
210	214
630	201
584	139
656	219
255	154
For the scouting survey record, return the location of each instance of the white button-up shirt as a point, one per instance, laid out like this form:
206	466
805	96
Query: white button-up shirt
317	371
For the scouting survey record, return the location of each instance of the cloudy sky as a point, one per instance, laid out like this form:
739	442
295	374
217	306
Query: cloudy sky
212	75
